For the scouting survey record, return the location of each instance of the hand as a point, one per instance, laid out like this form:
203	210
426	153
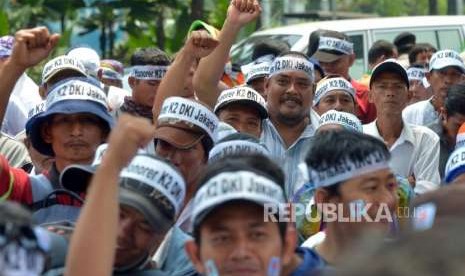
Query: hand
129	134
32	46
200	44
243	11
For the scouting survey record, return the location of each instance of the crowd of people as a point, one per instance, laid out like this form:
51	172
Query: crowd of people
283	166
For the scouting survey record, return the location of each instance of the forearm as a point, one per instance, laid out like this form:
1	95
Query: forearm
211	68
9	74
173	82
93	242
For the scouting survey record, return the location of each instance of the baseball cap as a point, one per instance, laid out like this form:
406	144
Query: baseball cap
237	143
223	188
389	65
243	95
89	58
332	45
70	96
329	84
184	122
347	120
6	45
200	25
60	64
149	184
446	58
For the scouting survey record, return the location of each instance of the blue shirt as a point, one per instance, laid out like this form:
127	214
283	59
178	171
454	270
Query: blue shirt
287	157
311	262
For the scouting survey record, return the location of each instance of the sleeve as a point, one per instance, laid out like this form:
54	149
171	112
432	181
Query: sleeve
14	184
426	166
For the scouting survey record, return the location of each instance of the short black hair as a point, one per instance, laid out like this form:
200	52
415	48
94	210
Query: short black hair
256	163
380	48
330	147
417	49
455	100
405	42
269	47
150	56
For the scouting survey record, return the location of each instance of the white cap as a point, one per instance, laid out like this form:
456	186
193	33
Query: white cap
446	58
242	94
61	63
89	58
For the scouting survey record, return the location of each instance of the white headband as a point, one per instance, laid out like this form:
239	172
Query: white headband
336	44
148	72
160	176
347	169
188	111
240	185
237	94
76	90
328	85
37	109
60	63
258	70
291	63
347	120
235	147
414	73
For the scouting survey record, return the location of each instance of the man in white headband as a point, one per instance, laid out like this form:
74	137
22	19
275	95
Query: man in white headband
237	226
243	108
334	93
355	190
446	68
414	149
148	67
418	92
336	55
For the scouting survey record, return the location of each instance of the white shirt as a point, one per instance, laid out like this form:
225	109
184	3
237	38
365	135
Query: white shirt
415	152
290	157
24	97
422	113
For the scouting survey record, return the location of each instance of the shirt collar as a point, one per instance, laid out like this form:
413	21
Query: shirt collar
405	135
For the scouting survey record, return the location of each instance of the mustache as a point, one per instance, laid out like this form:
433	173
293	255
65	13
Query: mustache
290	97
76	142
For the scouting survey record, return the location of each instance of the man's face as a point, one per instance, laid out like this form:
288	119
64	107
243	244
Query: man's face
340	66
144	91
189	161
137	239
239	242
336	100
259	85
243	118
389	93
74	137
441	80
289	96
453	123
379	189
417	91
422	58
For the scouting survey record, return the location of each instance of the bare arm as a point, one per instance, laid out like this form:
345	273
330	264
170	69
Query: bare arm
211	68
198	45
31	46
93	242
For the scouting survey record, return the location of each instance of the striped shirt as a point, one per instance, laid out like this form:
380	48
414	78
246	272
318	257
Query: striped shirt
287	158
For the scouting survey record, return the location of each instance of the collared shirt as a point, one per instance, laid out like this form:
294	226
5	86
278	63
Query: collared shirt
423	113
287	157
416	152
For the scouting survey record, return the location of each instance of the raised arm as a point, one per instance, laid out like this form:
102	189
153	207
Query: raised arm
31	46
211	68
198	45
93	243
